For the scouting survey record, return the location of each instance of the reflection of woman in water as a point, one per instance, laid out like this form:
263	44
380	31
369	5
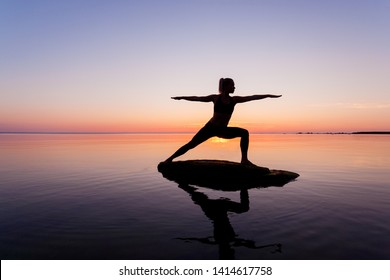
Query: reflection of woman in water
218	124
217	210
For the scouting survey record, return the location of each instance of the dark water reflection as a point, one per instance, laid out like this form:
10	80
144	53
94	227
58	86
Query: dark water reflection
224	235
101	197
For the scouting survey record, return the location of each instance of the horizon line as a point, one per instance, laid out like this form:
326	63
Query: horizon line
119	132
176	132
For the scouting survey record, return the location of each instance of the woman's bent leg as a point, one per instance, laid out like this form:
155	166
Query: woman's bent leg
233	132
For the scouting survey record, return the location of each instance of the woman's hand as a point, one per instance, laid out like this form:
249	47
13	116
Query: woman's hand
274	96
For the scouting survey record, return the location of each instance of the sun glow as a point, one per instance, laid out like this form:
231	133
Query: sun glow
219	140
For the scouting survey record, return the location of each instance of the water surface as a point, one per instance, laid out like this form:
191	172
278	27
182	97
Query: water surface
101	197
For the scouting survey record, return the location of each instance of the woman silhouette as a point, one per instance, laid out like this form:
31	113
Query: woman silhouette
218	124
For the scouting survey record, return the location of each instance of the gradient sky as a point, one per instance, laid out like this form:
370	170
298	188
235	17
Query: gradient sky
113	65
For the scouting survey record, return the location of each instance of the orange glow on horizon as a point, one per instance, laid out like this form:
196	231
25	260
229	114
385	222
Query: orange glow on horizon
162	128
287	122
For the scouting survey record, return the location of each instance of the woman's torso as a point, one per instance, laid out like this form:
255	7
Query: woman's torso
223	109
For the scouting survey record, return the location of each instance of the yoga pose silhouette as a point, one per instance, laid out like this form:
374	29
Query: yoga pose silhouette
218	124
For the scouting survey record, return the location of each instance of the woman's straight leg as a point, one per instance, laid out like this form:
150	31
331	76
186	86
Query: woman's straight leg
198	138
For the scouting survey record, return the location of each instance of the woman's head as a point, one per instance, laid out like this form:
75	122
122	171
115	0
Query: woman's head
226	85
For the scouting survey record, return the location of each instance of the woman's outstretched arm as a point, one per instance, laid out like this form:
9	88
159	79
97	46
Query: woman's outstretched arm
208	98
242	99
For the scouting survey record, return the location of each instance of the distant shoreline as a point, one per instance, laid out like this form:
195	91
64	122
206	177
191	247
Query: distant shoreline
371	132
357	132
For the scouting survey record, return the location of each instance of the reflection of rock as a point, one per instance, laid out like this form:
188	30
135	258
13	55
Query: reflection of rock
223	175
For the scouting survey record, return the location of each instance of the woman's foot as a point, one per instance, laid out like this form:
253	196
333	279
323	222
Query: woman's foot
247	162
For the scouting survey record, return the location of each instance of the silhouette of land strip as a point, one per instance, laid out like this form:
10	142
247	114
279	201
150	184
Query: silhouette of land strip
224	175
371	132
356	132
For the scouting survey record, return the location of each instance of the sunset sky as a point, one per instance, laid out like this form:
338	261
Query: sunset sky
113	65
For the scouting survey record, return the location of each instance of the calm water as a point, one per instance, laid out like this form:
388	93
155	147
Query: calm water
101	197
